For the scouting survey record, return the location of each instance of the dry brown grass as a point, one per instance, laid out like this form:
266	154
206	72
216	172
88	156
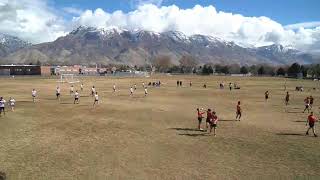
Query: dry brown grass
153	137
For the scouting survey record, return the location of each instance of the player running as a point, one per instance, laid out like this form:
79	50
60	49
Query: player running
76	98
81	87
213	123
200	117
209	118
307	104
34	95
96	99
311	101
2	106
114	88
71	90
131	91
311	122
93	91
145	91
266	95
12	103
58	93
135	87
239	111
287	98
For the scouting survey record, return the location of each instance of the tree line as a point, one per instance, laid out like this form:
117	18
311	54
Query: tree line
188	64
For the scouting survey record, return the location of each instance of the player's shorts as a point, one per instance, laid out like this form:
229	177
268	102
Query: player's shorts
208	120
213	125
96	100
34	96
76	99
307	106
238	112
311	125
200	119
58	94
1	109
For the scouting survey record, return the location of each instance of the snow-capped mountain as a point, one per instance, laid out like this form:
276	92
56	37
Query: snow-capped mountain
86	45
9	44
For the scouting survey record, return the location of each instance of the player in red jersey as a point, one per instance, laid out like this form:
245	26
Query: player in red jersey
311	122
213	123
239	111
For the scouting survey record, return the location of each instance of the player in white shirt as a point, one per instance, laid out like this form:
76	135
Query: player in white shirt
145	91
34	95
114	88
143	85
2	105
81	86
135	87
58	93
96	99
12	103
131	91
76	97
71	89
93	91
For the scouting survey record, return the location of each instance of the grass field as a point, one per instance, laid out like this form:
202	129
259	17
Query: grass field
154	137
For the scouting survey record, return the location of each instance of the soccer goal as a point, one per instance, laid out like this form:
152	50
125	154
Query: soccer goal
68	78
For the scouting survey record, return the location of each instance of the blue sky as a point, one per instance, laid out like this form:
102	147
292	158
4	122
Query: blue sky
283	11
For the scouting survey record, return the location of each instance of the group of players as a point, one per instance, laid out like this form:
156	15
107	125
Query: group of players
212	118
73	92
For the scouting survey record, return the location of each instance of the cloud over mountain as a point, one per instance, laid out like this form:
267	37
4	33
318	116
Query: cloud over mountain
37	21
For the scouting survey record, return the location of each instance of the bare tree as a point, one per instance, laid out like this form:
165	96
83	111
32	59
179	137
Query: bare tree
162	63
187	63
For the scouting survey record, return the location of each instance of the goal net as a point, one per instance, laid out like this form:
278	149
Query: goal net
68	78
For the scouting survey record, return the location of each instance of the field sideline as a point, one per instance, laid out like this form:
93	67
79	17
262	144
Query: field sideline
154	137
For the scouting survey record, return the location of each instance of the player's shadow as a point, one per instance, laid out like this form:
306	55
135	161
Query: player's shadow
187	129
294	112
299	121
193	135
25	101
228	120
290	134
67	103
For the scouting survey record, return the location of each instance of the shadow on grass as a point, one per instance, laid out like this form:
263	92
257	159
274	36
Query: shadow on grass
230	120
290	134
300	121
187	129
66	103
193	135
294	112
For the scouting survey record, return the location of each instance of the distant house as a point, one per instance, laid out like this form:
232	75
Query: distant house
12	70
25	70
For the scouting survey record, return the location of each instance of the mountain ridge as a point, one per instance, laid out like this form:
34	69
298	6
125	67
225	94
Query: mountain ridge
89	45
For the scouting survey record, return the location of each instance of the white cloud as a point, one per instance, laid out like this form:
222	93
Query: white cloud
30	20
73	10
255	31
313	24
137	3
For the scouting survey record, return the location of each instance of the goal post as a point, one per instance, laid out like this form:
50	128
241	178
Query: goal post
68	78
